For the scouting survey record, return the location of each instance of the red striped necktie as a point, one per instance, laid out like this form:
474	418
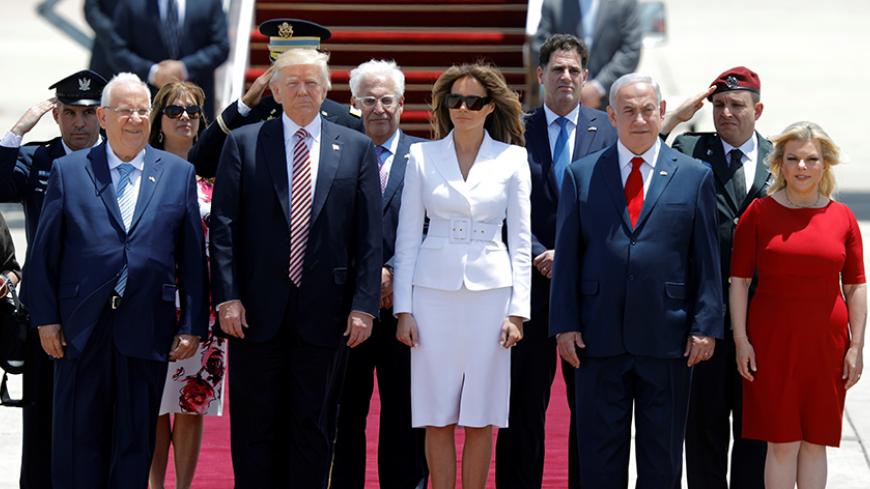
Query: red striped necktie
300	207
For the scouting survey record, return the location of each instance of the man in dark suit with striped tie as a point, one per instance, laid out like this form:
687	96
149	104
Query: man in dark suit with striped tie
296	271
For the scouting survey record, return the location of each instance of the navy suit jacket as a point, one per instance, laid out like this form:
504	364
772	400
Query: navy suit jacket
203	44
639	291
594	133
250	232
81	246
392	198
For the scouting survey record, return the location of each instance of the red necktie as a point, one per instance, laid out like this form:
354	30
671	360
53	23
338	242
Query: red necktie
300	207
634	190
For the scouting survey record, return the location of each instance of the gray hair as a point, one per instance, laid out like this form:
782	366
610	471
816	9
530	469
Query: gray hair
631	79
300	56
377	67
122	79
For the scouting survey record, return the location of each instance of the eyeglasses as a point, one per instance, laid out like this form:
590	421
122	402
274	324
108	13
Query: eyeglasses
472	102
387	101
128	112
174	111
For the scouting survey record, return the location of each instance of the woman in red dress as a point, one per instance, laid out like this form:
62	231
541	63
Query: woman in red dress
801	347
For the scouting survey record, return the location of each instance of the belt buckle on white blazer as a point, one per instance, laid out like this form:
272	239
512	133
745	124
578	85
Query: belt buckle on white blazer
460	230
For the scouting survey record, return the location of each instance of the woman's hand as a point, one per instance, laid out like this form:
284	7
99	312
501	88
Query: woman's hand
745	358
406	330
853	364
511	331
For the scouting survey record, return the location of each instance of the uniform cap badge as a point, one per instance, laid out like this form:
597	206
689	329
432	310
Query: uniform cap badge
285	30
84	84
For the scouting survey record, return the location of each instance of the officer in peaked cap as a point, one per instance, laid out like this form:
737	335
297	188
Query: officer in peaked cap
736	153
283	34
24	174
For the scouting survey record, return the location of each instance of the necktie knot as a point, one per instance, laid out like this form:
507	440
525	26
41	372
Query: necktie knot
562	121
125	169
736	158
383	153
636	162
301	133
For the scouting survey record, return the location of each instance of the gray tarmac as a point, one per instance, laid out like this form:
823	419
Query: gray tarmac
808	55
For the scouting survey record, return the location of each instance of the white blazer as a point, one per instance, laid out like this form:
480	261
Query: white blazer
464	243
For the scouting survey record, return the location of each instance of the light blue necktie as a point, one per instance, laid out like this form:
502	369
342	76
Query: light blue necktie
127	204
561	156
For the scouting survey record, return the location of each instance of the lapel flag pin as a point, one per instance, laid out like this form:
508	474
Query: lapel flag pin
323	113
663	173
591	129
335	147
709	152
152	179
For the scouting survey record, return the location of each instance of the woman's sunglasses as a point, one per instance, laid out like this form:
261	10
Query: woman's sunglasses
175	111
472	102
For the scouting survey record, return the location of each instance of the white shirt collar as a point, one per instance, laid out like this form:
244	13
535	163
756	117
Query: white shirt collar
138	161
68	150
749	148
571	116
291	127
650	156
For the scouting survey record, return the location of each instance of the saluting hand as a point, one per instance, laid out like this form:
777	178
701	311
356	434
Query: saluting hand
29	119
252	97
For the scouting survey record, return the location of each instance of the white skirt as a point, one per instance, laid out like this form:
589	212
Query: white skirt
460	374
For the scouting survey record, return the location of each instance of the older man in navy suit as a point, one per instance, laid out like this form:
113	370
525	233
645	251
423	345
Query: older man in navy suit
296	264
120	233
559	132
637	289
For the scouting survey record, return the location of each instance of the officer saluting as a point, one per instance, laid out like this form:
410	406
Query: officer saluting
283	34
23	177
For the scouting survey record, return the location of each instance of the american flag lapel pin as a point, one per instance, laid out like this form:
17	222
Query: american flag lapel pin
152	179
663	173
335	147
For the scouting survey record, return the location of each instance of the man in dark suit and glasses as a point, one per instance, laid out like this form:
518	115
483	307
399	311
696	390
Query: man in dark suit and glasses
296	242
378	89
559	132
736	153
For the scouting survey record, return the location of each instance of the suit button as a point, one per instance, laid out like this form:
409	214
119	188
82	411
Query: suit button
630	277
735	220
633	242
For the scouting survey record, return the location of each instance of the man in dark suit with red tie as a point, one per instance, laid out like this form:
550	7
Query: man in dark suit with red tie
296	269
559	132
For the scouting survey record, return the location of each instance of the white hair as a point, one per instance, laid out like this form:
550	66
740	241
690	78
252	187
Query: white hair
377	67
122	79
631	79
302	56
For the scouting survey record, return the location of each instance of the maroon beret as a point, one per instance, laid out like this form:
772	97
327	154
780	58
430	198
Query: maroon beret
738	78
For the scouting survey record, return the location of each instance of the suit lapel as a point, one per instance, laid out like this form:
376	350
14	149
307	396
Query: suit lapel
587	129
479	170
151	172
713	153
448	166
397	169
274	153
608	165
662	174
99	172
330	156
539	136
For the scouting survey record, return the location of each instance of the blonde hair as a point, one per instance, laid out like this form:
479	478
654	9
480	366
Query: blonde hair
804	131
504	124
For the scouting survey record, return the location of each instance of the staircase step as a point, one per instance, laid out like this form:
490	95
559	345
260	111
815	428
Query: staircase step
355	38
341	75
404	15
409	56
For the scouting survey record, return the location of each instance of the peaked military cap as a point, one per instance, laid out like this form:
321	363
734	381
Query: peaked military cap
287	34
737	78
82	88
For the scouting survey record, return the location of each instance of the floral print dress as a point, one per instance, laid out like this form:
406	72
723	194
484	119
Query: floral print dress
196	385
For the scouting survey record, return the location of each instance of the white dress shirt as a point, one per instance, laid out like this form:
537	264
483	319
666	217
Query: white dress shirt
553	129
313	144
12	140
646	169
138	163
749	158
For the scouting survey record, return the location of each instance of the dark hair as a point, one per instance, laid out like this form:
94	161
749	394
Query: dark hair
564	42
504	124
164	96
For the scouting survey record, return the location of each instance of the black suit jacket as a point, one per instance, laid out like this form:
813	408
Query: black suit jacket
100	15
204	44
594	133
707	147
250	232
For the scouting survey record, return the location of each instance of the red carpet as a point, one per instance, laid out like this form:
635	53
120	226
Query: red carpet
215	467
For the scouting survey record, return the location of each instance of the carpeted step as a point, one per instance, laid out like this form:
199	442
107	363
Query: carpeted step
411	56
353	38
399	15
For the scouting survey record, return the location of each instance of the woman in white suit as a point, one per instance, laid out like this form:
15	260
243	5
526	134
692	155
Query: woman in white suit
461	295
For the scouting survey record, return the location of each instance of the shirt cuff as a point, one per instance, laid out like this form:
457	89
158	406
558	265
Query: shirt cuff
11	140
152	73
244	110
364	313
218	307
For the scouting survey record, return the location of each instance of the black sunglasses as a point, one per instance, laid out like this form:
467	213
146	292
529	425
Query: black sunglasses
472	102
175	111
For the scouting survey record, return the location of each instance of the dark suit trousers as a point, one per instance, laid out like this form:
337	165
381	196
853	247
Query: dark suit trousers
607	391
401	451
105	415
519	451
717	395
36	433
279	424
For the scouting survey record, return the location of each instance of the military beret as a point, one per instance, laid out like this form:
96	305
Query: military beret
287	34
81	88
738	78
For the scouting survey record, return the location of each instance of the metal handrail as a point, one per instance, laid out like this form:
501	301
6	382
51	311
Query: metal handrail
230	78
